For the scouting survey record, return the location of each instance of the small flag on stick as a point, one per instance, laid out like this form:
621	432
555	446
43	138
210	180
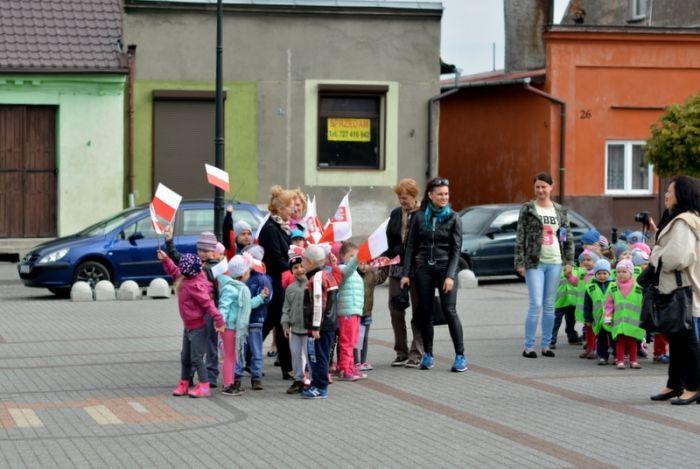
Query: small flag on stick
217	177
375	245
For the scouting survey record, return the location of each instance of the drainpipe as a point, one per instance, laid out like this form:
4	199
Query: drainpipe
562	138
131	57
432	128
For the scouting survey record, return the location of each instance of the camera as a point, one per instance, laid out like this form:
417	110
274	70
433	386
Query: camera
642	217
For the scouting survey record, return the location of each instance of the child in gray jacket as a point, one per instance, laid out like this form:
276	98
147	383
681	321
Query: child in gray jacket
293	320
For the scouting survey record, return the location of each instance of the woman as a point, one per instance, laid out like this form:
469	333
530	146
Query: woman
678	249
397	233
542	245
275	239
432	253
299	209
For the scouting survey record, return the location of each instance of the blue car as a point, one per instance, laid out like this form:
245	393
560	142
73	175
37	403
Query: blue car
122	247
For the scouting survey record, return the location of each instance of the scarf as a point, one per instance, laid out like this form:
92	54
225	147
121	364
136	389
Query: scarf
283	224
439	215
405	215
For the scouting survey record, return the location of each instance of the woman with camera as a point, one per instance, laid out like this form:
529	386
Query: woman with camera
678	249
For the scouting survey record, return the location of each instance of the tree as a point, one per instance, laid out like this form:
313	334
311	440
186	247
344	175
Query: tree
674	146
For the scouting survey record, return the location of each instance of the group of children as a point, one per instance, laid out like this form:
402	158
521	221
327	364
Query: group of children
602	293
327	308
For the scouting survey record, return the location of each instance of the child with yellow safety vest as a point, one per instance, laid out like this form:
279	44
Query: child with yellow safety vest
587	260
623	309
594	309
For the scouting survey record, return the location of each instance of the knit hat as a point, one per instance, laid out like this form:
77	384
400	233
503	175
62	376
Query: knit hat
297	234
635	237
255	250
625	265
238	266
618	248
603	242
601	265
220	248
207	242
240	226
189	265
315	253
641	247
590	237
639	257
589	253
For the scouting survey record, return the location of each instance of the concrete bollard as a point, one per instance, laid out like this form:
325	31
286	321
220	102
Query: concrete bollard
129	291
467	279
81	291
104	291
158	288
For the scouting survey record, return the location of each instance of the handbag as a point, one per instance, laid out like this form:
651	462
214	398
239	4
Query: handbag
438	316
668	313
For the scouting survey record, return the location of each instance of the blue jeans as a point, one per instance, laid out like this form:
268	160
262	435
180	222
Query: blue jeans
254	343
542	284
697	328
319	362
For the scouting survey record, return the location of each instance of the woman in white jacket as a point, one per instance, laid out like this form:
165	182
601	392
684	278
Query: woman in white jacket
678	249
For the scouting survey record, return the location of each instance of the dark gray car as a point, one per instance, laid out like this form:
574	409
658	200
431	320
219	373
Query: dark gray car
488	241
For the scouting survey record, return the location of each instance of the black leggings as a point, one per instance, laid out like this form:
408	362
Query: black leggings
684	364
426	279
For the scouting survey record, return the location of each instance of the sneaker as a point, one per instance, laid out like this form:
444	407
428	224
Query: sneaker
256	385
343	376
575	341
635	366
460	364
314	393
366	366
602	361
398	361
427	362
412	363
295	388
272	353
664	359
201	390
553	346
358	375
621	365
232	390
182	388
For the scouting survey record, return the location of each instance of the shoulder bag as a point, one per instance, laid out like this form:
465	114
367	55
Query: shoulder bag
668	313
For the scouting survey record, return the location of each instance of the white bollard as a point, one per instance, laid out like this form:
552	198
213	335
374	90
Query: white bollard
104	291
158	288
81	291
467	279
129	291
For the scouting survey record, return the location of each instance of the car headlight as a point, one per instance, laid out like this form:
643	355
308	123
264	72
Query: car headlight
54	256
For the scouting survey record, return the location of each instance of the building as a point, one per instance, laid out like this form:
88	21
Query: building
324	95
658	13
62	79
584	117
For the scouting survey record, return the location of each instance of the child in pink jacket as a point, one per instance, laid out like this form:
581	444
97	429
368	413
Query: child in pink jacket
194	297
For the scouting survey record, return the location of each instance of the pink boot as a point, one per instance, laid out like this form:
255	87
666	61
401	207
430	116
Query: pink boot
181	388
201	390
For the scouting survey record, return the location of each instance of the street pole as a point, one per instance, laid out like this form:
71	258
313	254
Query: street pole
219	136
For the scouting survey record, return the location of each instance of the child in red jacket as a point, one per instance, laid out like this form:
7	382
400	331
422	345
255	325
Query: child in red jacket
194	297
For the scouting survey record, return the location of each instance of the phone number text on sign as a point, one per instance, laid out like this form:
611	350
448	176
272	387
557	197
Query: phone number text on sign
349	130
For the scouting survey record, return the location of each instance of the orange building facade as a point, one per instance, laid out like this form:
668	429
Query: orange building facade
496	132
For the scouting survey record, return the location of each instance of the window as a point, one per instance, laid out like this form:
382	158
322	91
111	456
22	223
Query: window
627	170
351	127
474	220
506	222
143	226
637	9
196	221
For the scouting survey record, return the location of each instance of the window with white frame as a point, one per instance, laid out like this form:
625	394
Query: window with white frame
638	9
627	170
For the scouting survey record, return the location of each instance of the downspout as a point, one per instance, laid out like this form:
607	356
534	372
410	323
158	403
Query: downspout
432	111
562	138
131	58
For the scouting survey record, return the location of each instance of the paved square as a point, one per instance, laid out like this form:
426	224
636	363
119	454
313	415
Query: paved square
88	385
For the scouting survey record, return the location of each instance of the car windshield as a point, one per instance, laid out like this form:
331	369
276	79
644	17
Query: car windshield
474	219
105	226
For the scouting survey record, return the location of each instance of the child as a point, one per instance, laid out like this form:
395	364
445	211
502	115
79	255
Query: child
235	304
288	276
594	308
351	302
587	260
320	317
298	238
293	320
244	235
623	312
258	283
565	308
372	277
195	302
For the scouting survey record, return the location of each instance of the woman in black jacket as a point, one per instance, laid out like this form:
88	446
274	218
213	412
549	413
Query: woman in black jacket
432	255
275	238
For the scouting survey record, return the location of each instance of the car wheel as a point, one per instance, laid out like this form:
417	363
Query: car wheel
60	292
464	264
91	272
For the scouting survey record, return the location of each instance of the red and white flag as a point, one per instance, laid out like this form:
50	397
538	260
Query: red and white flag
314	230
165	203
339	227
220	268
375	245
217	177
158	225
385	261
256	235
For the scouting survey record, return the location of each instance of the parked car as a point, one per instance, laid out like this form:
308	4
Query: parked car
121	247
488	240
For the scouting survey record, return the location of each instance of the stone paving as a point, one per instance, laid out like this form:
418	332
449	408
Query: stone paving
88	385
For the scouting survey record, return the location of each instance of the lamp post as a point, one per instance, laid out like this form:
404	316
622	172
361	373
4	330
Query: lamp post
219	125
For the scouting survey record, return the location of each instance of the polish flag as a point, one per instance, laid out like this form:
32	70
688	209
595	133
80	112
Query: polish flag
165	203
256	235
220	268
157	224
312	223
385	261
375	245
217	177
339	227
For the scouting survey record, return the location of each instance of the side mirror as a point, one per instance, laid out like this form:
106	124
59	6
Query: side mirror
491	231
134	237
121	235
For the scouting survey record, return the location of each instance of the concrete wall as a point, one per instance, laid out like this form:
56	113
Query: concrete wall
283	54
666	13
89	136
525	21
